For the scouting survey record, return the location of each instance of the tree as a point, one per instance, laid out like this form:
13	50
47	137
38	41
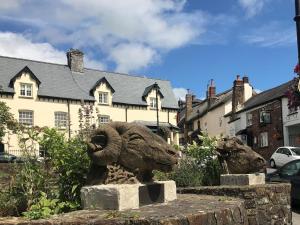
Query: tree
7	121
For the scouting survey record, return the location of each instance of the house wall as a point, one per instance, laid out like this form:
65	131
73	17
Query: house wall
274	129
291	125
213	123
44	109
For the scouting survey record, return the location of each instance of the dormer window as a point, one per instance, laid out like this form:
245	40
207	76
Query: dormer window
153	103
26	90
103	98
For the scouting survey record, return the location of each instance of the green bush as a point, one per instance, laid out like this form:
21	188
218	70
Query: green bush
206	159
199	167
70	163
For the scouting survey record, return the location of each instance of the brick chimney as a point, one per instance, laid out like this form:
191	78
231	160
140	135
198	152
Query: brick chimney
75	60
241	92
211	90
188	112
211	93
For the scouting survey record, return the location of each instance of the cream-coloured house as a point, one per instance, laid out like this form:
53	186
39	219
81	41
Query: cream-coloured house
46	94
209	115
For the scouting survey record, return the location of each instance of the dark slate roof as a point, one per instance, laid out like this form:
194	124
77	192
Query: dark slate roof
267	96
150	88
202	107
57	81
154	124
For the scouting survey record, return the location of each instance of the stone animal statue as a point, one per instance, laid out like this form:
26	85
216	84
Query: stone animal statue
238	158
127	153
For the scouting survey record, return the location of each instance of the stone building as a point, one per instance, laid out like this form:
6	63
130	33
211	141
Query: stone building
47	94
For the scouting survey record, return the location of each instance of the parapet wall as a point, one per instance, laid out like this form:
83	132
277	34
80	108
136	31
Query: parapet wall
265	204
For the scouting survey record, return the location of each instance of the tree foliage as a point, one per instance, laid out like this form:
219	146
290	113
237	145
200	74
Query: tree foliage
7	120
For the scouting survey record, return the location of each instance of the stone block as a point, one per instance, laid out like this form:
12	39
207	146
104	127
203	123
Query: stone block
243	179
110	197
127	196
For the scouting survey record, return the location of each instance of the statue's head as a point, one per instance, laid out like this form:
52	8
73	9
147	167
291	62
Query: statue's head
133	146
240	158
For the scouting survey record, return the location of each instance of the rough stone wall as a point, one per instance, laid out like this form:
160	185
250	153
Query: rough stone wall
274	129
265	204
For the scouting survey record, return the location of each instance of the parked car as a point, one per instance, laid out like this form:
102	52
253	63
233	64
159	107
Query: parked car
290	172
284	155
7	158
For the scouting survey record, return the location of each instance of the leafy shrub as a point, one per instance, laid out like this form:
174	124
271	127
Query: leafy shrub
206	159
69	161
199	167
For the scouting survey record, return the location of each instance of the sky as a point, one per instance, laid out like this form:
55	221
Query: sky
187	42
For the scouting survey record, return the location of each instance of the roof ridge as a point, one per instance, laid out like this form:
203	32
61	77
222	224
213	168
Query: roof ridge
105	71
265	91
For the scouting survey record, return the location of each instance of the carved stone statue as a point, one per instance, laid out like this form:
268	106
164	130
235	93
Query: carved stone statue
238	158
127	153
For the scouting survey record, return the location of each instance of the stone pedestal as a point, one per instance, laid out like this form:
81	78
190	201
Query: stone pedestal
127	196
243	179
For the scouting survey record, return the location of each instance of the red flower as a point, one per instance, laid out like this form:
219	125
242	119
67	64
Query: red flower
297	68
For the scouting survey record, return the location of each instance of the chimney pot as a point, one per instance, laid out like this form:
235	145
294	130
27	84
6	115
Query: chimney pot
75	60
246	79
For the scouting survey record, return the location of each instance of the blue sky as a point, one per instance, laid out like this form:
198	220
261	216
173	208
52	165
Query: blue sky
186	41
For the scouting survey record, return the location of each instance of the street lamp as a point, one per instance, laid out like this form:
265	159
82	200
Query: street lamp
156	87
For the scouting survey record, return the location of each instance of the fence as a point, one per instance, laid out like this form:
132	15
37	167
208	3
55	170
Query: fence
19	152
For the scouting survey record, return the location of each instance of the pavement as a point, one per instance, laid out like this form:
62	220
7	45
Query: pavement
296	215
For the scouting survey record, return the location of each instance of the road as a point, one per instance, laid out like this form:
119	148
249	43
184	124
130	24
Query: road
296	216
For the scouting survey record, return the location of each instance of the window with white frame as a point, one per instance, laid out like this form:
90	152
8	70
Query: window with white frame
26	117
103	97
265	117
264	140
249	119
60	119
153	103
103	119
26	90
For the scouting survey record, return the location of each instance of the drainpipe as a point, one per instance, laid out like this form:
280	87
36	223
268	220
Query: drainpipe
126	113
69	119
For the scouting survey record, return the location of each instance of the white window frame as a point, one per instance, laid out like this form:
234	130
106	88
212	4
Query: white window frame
249	118
61	120
25	90
103	119
153	103
264	139
103	97
263	116
26	117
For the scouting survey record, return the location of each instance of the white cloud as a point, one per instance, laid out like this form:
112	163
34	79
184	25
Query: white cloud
257	91
180	93
271	35
16	45
130	57
252	7
9	4
109	27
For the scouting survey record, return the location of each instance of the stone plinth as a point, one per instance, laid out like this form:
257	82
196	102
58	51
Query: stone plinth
187	209
243	179
127	196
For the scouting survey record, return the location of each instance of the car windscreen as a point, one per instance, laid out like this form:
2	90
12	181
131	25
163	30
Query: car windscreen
296	151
